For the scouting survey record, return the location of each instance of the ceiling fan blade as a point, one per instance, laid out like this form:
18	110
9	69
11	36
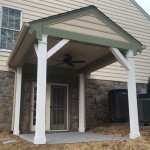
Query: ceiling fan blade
56	60
77	61
58	64
70	64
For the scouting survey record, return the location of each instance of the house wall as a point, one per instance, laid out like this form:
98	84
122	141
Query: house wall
124	13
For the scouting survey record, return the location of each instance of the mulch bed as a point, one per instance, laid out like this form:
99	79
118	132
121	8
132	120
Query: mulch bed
142	143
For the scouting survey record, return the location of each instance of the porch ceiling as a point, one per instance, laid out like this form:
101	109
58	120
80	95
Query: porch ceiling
79	51
95	57
90	32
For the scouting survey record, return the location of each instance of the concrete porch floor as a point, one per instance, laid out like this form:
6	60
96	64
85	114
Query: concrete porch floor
73	137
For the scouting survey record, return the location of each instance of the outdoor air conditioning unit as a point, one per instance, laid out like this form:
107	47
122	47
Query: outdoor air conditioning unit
118	105
144	107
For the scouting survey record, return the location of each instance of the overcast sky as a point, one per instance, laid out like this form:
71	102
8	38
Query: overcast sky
145	4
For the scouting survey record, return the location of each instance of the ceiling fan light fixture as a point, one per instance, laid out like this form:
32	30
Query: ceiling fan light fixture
68	60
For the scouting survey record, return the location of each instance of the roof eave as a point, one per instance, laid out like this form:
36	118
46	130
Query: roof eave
22	34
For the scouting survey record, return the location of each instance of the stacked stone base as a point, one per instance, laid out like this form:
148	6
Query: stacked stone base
6	100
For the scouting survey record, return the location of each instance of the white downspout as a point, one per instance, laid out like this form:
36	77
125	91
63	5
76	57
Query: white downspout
14	98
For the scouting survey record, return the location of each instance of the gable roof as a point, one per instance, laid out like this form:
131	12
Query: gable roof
113	36
42	26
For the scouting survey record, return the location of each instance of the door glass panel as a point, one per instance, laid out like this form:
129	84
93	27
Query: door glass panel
34	106
58	108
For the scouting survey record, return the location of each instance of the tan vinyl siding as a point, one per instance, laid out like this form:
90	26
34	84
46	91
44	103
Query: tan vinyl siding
3	61
123	12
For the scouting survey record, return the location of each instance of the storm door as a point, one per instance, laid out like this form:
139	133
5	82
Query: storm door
58	108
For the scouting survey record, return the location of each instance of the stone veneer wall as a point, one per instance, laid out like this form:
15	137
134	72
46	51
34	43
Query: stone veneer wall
25	107
6	99
94	89
98	89
26	101
74	105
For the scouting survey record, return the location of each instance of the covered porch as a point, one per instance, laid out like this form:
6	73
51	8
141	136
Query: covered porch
72	44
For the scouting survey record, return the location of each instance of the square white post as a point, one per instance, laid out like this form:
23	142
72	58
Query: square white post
132	96
81	103
18	100
41	91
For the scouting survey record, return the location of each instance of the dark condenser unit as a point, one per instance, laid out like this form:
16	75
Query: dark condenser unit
144	107
118	105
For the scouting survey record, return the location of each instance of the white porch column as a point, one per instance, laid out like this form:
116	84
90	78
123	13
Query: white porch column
18	100
41	91
133	111
81	103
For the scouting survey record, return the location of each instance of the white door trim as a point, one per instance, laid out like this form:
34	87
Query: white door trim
32	127
48	103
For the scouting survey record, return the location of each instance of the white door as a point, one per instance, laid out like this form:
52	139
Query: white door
56	107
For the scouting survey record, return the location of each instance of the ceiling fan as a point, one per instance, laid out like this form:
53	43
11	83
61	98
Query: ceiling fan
68	59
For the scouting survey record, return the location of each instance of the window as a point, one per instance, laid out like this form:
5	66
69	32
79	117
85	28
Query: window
10	27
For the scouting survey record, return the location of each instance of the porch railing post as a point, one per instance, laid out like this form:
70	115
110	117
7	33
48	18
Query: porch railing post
81	103
133	111
41	91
